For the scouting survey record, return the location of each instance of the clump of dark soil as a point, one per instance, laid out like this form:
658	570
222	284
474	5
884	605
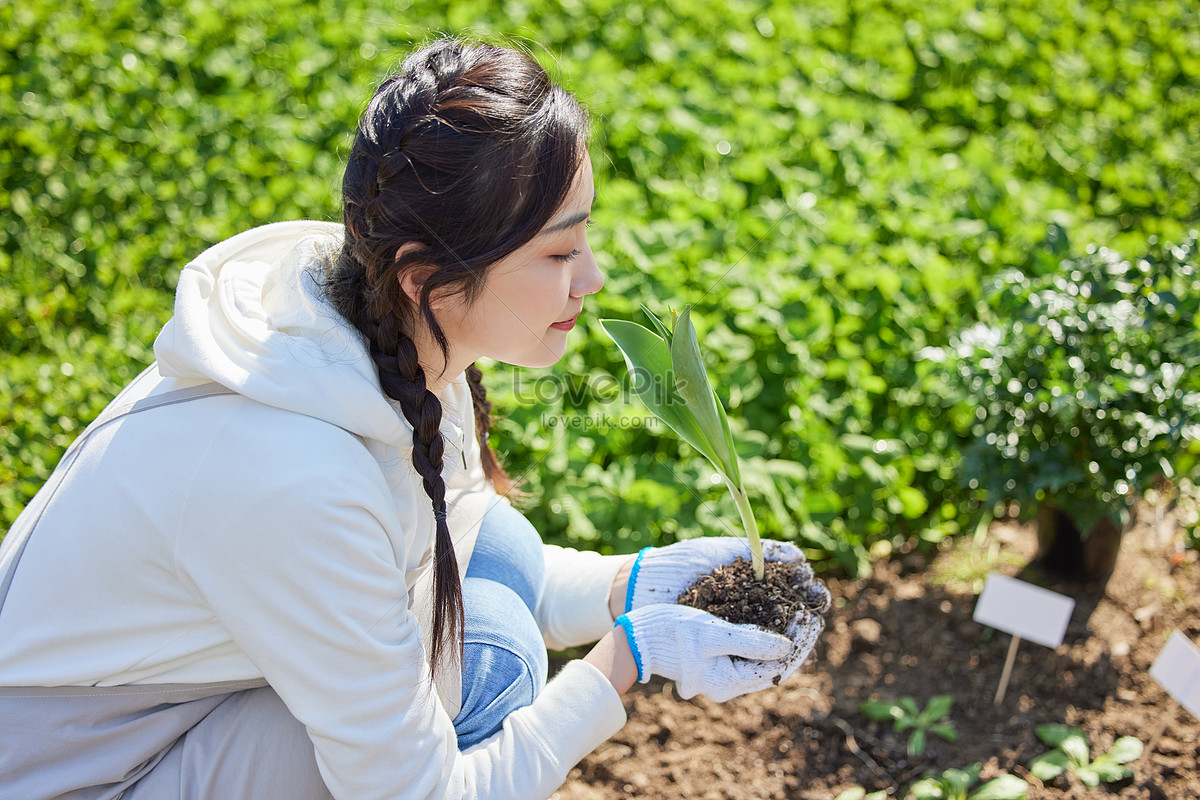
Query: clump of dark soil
732	593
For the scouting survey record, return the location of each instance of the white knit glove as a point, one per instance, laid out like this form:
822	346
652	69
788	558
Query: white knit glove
703	654
661	574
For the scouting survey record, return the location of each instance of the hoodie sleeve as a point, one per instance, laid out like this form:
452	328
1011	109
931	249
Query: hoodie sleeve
301	572
573	609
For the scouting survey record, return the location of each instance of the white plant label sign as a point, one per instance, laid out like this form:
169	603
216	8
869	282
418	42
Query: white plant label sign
1024	610
1177	669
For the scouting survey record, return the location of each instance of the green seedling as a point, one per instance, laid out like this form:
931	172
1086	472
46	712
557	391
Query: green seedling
859	793
1071	754
668	375
955	784
905	715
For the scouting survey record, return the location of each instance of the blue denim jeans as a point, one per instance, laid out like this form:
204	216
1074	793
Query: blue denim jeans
504	657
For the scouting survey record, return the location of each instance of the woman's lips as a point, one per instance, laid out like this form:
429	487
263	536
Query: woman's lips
566	325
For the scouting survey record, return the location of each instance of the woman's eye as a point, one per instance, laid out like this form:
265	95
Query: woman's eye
566	256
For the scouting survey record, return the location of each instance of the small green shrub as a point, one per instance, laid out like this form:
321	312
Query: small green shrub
1083	379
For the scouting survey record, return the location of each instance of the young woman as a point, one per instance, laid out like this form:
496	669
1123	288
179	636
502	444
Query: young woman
281	564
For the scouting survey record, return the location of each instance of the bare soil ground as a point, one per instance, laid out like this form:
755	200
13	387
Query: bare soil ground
907	630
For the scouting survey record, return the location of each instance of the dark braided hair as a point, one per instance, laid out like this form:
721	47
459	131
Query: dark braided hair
460	158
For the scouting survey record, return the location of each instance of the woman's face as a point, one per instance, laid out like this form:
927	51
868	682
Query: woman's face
531	297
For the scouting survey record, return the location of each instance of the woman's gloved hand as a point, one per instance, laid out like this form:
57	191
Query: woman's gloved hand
661	574
706	655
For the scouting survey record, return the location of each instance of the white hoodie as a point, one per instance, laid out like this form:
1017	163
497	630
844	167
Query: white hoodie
282	533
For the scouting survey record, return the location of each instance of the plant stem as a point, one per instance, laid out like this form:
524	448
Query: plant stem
748	522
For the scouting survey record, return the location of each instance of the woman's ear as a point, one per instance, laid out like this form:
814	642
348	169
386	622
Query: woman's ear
413	279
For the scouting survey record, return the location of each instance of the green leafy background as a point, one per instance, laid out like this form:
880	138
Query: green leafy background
828	184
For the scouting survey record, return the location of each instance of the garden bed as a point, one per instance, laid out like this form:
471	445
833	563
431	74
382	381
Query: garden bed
904	633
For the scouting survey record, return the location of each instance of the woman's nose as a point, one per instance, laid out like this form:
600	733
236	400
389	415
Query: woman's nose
588	278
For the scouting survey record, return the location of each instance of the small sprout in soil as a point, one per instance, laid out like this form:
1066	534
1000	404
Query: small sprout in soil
955	784
906	716
668	375
1071	754
859	793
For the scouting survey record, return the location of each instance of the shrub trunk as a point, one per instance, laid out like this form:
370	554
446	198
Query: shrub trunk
1066	550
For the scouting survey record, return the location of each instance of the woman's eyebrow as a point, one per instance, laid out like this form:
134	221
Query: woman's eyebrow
569	222
562	225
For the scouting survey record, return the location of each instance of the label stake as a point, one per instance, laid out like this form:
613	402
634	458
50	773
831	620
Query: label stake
1007	672
1026	612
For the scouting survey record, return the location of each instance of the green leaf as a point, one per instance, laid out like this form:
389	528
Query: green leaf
877	709
691	383
648	359
1049	766
1126	749
910	706
916	743
957	781
1076	747
659	328
1088	775
938	707
912	501
1005	787
859	793
1109	770
927	789
945	730
729	445
1053	734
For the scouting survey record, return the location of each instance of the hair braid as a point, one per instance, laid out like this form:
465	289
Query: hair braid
403	379
495	473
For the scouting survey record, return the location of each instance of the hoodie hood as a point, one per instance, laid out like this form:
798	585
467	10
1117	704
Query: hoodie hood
250	315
